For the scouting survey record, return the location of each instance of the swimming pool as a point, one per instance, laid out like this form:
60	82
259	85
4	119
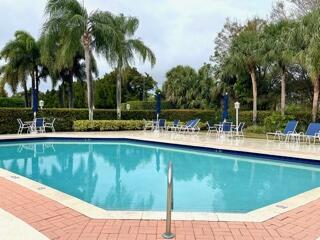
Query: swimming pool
131	175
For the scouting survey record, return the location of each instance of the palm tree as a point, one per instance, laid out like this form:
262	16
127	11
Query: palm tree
306	39
275	43
245	53
123	49
75	25
23	57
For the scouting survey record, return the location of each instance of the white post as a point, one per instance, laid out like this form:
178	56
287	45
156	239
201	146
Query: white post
237	106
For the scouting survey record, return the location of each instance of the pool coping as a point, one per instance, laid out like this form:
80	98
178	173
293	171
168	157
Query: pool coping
258	215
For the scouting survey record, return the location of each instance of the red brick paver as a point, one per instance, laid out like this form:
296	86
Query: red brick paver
59	222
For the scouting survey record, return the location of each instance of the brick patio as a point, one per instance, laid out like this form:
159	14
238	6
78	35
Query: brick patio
59	222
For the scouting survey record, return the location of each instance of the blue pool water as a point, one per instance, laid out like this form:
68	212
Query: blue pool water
124	175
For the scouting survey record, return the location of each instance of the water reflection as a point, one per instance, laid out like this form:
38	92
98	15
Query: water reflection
129	176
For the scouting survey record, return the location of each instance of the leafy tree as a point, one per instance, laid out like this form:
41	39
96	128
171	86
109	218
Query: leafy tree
22	56
94	30
121	53
105	91
275	45
245	54
306	36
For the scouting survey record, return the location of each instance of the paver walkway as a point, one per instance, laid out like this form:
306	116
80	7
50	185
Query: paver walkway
59	222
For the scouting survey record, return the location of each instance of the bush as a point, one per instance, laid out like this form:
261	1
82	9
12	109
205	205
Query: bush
107	125
276	121
66	117
11	102
146	105
256	129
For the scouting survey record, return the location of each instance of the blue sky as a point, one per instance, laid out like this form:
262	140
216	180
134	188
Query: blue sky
178	31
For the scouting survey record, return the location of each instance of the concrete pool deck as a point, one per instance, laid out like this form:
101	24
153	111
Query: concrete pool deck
262	216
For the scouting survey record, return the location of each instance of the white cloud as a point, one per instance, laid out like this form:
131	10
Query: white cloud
178	31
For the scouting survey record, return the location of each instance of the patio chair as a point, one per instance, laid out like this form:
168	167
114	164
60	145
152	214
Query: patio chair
149	124
289	129
226	128
212	128
50	125
23	126
162	124
39	125
313	131
238	130
174	126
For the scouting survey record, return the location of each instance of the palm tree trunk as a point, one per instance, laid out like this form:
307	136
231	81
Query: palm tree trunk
33	86
254	95
315	98
283	92
70	90
87	56
119	93
25	90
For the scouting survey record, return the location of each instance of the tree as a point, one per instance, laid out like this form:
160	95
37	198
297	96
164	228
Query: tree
23	57
93	30
245	54
275	45
3	92
121	53
306	35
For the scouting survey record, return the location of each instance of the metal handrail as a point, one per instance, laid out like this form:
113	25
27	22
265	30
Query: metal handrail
168	234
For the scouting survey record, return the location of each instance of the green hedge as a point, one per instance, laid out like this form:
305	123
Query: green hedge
11	102
66	117
107	125
146	105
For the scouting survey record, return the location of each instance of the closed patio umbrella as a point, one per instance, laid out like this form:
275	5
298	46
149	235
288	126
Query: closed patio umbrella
225	114
158	105
34	102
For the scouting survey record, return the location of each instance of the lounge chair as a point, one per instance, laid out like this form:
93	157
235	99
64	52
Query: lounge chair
212	128
289	129
313	131
184	127
174	126
193	126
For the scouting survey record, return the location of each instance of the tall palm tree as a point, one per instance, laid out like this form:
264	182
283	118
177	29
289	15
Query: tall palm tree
75	25
275	44
23	57
245	53
123	49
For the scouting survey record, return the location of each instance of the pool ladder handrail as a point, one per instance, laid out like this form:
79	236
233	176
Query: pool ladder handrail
168	234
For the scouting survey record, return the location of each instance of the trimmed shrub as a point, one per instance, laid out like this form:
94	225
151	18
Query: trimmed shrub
107	125
256	129
11	102
275	121
66	117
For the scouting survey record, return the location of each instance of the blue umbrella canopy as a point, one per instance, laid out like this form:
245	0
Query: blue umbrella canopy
225	114
34	101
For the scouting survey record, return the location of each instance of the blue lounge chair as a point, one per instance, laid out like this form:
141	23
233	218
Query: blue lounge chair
289	129
313	131
194	126
188	124
174	126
